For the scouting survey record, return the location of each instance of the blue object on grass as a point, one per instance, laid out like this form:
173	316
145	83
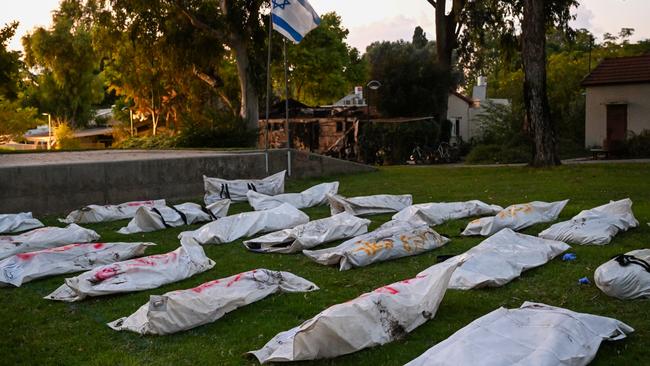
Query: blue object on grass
569	257
584	281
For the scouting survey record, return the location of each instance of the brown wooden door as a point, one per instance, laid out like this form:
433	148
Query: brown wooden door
616	123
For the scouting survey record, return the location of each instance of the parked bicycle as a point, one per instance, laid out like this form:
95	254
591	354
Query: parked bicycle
421	155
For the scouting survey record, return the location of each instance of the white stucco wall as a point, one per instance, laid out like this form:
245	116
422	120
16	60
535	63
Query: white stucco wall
457	107
636	96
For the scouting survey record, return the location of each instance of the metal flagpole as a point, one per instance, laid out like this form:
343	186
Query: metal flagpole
286	106
268	91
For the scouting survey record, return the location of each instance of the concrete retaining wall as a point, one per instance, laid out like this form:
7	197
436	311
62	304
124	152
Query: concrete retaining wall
63	186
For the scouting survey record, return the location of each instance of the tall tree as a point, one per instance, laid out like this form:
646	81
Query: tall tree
412	82
10	64
163	67
323	67
239	25
524	23
67	82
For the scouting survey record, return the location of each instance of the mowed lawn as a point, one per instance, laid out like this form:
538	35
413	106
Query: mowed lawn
40	332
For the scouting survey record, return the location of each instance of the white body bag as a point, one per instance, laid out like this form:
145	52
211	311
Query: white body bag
516	217
596	226
153	219
181	310
534	334
375	318
314	196
247	224
501	258
107	213
235	190
309	235
369	205
625	276
14	223
24	267
136	274
438	213
44	238
394	239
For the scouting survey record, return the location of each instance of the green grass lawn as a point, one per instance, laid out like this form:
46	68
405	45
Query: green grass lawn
37	331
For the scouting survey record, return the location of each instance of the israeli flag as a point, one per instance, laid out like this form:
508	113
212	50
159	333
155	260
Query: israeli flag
293	18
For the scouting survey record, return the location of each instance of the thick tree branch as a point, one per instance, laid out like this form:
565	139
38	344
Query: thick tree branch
216	84
196	22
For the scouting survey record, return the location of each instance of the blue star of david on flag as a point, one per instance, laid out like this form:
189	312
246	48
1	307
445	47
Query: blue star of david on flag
276	4
293	19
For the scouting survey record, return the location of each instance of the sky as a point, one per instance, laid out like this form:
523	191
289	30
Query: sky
376	20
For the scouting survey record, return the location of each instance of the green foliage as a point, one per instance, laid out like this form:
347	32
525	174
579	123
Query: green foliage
323	67
500	124
10	64
64	137
567	65
392	143
159	141
67	84
14	119
143	71
497	154
637	145
410	79
223	131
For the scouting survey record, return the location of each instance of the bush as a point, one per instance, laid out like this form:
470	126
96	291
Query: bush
160	141
219	132
498	154
64	137
392	143
638	146
569	149
222	131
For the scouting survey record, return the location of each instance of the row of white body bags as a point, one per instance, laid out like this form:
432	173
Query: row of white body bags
15	223
625	276
136	274
247	224
368	205
596	226
25	267
181	310
314	196
516	217
107	213
437	213
235	190
43	238
309	235
392	240
534	334
375	318
149	219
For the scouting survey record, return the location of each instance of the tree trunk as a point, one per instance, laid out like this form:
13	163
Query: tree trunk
447	32
249	110
444	50
537	107
250	106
